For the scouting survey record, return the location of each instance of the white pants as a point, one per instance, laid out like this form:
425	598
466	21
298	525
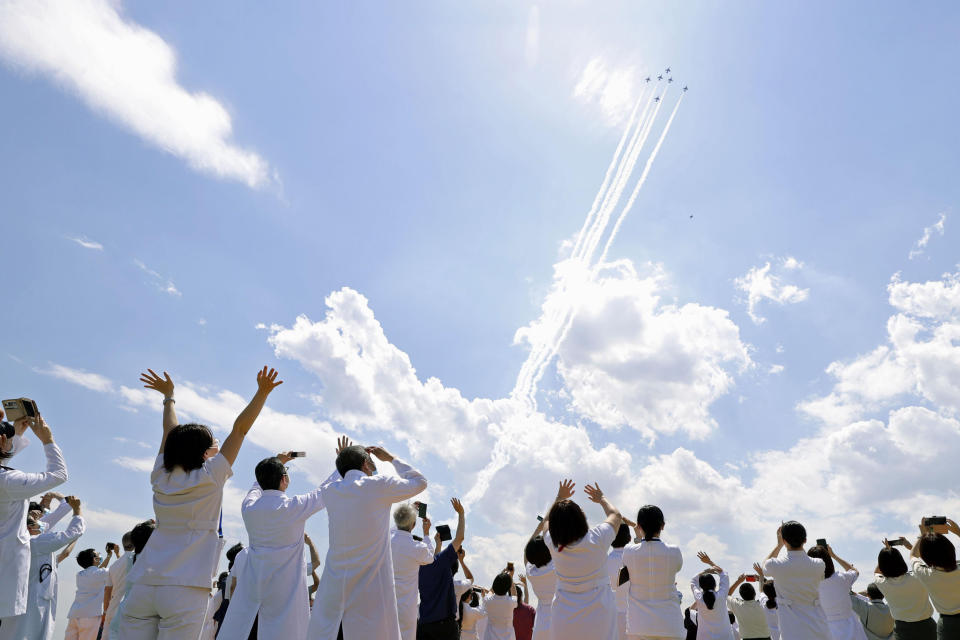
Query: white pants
621	625
10	626
164	612
82	628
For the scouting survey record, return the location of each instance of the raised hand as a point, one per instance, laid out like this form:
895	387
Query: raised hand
758	569
42	430
151	380
594	492
74	503
952	527
380	453
284	457
426	527
457	506
522	578
565	492
342	443
267	380
704	558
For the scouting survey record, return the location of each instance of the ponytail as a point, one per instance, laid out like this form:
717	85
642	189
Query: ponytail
709	598
771	593
708	584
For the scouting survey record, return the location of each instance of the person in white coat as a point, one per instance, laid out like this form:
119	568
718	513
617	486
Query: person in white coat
117	584
86	613
408	556
542	579
16	489
171	578
653	605
710	590
835	595
356	587
274	585
471	614
499	606
583	606
614	565
798	577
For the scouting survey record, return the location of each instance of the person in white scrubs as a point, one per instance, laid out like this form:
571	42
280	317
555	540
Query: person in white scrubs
751	618
357	588
614	565
117	586
172	576
499	606
408	556
86	613
16	489
710	590
797	577
583	606
834	593
472	613
907	597
139	536
653	605
274	587
542	579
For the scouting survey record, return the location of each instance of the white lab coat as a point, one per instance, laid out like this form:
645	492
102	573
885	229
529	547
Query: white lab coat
835	601
620	591
713	624
39	620
583	606
653	608
118	571
356	587
543	581
773	620
472	617
797	577
408	556
274	583
499	617
53	517
16	489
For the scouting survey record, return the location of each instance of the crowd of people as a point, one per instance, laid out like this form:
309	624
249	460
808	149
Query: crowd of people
614	580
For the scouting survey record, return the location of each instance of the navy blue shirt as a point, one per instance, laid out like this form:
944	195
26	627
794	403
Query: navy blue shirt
438	600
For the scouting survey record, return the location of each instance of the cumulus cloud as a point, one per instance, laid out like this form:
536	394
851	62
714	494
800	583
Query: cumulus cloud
608	87
128	73
928	233
85	379
763	284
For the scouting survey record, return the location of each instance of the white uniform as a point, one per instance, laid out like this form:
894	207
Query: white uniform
408	556
835	601
209	624
584	606
118	588
84	615
797	577
543	581
53	517
38	622
653	608
713	624
274	582
356	587
751	617
614	564
499	617
172	576
773	620
16	489
472	616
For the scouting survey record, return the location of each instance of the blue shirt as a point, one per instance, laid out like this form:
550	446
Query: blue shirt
438	600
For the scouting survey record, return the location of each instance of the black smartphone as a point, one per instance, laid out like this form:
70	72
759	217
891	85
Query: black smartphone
896	543
443	531
539	518
422	509
933	521
821	542
298	454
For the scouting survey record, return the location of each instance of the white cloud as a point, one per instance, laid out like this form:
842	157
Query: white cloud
136	464
128	73
87	380
86	243
775	369
163	284
113	522
760	284
608	87
934	299
921	245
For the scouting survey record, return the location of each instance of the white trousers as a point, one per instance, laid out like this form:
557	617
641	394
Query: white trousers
163	612
82	628
9	626
621	625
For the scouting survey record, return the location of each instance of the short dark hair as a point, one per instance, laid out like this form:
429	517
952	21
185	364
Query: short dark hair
937	551
650	520
891	563
537	553
232	554
793	533
35	506
87	558
709	586
747	592
501	584
623	537
820	551
771	592
126	542
351	458
185	446
874	591
568	524
270	472
140	534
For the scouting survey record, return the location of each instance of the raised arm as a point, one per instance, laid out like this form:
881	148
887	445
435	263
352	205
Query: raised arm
165	386
736	584
67	550
314	556
51	519
526	589
106	559
18	485
776	550
266	382
461	525
614	519
843	563
466	570
565	492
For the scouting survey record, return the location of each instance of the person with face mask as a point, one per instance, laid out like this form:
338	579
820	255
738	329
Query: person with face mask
85	617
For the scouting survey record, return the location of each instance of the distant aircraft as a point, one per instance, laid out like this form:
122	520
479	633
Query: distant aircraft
648	79
669	79
657	99
659	77
685	88
668	69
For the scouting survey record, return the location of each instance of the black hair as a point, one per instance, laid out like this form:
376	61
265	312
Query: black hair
650	520
351	458
793	533
519	595
771	592
891	563
537	553
623	537
501	584
87	558
471	595
270	473
747	592
568	524
222	581
35	506
185	446
232	554
139	536
126	542
819	551
732	617
31	521
874	591
937	551
709	586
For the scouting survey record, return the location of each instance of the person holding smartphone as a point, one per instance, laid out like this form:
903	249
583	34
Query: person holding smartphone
748	611
438	599
935	565
408	556
798	577
907	596
834	593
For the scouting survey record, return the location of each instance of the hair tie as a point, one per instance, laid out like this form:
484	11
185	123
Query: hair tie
560	548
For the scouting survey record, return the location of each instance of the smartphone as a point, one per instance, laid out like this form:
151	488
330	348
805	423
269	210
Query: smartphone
20	408
751	578
510	566
298	454
539	518
444	532
931	521
821	542
896	543
422	509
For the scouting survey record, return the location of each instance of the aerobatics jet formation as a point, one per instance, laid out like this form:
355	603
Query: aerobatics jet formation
659	78
648	79
657	99
668	69
669	79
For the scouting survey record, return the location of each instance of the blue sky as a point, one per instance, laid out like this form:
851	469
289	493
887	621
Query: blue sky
433	160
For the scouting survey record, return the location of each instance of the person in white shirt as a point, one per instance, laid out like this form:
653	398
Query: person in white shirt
798	577
16	488
117	586
583	606
86	613
710	594
874	614
464	584
499	606
614	565
274	588
769	602
542	579
835	595
356	587
408	556
751	618
471	613
171	579
935	565
139	536
907	596
653	605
